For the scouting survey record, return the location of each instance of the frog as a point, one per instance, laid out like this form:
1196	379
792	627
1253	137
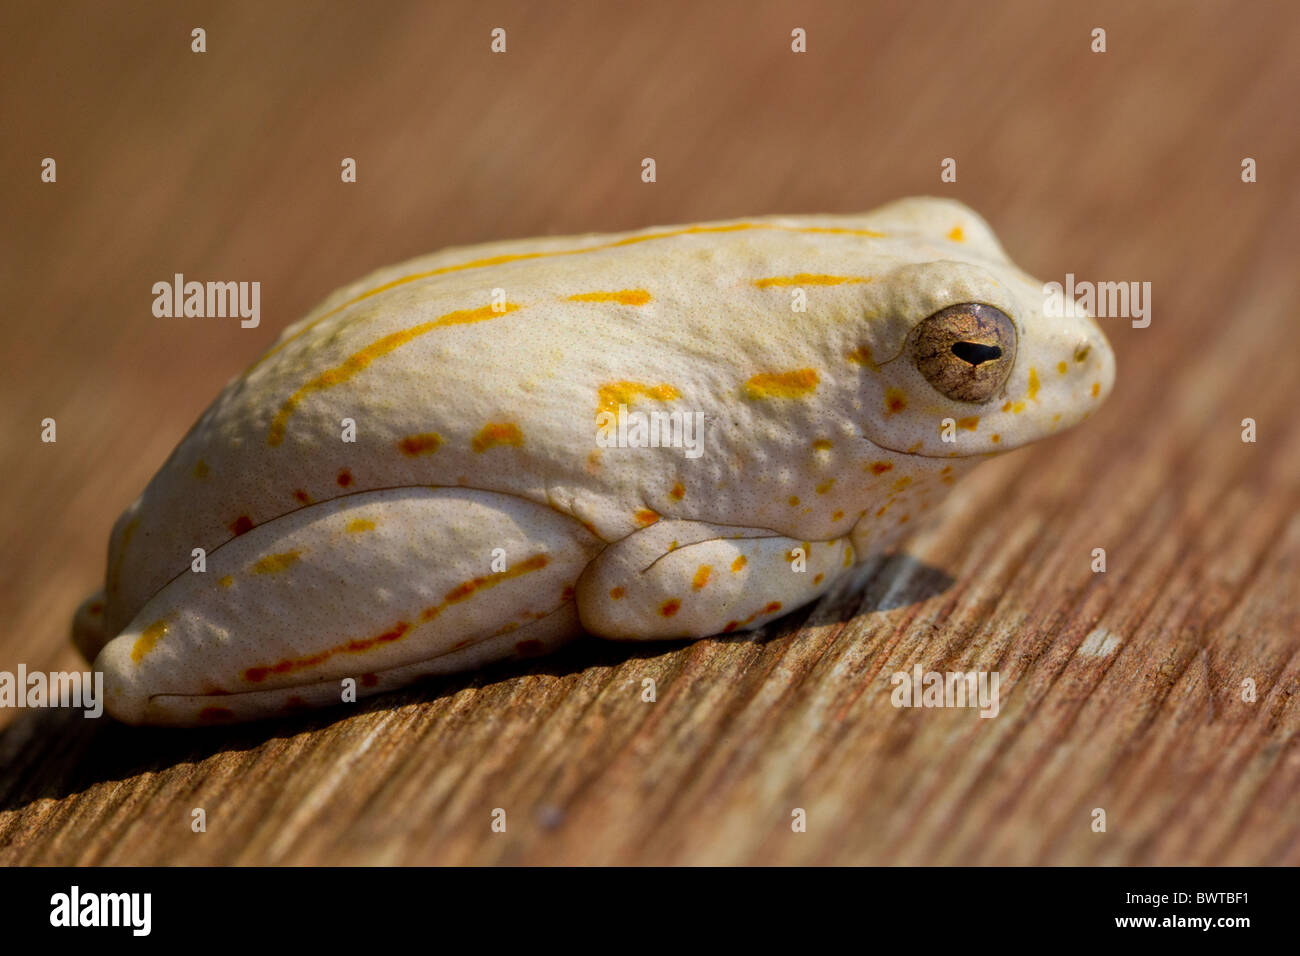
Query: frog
434	469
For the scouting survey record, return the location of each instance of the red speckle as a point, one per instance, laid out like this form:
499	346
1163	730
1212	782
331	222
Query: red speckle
567	594
530	648
344	479
241	525
302	497
256	675
369	680
731	626
670	607
772	608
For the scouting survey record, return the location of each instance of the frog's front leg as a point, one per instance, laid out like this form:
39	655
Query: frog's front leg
690	579
382	587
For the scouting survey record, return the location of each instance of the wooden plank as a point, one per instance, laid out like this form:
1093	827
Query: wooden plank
1120	690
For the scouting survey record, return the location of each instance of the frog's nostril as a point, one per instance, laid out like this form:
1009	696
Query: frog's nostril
974	353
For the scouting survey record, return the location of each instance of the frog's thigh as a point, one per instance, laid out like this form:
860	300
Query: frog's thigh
382	587
688	579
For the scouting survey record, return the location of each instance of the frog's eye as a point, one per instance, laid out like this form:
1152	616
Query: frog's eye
965	351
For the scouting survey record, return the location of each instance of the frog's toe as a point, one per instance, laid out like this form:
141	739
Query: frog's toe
88	633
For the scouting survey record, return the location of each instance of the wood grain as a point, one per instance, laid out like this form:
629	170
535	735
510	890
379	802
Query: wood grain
1119	690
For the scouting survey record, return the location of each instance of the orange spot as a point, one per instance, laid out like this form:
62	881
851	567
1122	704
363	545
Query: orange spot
497	433
823	444
895	400
148	638
946	470
622	297
731	626
359	361
862	356
645	517
902	482
970	422
956	235
201	469
1033	383
1006	406
772	608
794	500
617	593
995	438
425	443
825	486
225	580
904	519
241	525
614	394
739	563
848	557
837	516
809	278
793	384
358	525
567	593
670	607
880	467
275	563
344	478
701	576
1096	389
818	579
302	497
678	491
1062	367
463	590
216	715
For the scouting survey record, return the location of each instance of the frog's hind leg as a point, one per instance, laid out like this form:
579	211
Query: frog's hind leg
382	587
691	579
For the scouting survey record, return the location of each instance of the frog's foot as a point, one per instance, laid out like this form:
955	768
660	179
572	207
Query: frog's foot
88	634
382	587
689	579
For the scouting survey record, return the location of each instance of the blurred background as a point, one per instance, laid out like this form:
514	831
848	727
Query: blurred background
1123	165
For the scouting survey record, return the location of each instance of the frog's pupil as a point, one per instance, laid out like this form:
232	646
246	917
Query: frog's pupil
975	353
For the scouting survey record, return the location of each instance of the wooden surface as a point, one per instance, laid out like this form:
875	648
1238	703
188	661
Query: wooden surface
1120	690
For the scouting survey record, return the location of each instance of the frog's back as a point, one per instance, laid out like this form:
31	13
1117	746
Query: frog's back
486	367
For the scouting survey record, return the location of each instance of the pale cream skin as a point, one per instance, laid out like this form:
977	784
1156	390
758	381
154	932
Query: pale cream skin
476	430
